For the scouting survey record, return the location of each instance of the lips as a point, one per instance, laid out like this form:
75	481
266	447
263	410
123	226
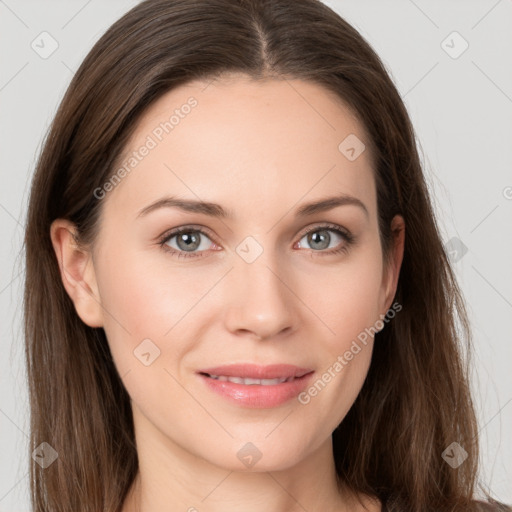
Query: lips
256	386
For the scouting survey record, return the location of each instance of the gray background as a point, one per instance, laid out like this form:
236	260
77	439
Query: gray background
461	108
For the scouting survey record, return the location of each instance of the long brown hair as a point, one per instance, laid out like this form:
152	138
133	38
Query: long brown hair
415	401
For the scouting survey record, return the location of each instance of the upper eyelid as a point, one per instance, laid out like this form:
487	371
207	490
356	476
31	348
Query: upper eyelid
327	226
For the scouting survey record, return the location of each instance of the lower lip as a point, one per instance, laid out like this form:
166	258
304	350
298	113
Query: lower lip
255	395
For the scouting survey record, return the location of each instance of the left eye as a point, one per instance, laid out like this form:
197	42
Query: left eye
319	238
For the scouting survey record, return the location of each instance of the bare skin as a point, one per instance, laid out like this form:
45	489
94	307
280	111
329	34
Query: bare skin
261	151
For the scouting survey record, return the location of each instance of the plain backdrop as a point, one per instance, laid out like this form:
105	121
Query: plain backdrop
451	62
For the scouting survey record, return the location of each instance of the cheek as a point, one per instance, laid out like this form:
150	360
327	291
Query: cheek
349	306
346	298
144	301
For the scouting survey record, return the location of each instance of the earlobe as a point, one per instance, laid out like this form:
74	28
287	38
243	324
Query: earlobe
77	272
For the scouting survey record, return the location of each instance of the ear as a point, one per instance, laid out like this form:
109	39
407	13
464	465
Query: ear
392	272
77	272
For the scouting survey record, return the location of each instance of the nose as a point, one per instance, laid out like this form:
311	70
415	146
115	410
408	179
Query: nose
261	301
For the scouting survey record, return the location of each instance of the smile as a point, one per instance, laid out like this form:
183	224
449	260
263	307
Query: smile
254	386
252	382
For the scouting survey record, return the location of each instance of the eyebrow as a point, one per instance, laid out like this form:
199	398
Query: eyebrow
216	210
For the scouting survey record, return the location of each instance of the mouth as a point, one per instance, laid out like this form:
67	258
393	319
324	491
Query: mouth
250	382
254	386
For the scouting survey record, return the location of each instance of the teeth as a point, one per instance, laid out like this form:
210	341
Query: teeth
251	382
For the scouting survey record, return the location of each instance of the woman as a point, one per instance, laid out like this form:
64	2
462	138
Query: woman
239	296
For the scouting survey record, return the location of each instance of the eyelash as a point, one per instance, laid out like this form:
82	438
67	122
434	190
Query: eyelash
348	237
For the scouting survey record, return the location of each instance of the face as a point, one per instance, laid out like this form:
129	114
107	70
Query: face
269	289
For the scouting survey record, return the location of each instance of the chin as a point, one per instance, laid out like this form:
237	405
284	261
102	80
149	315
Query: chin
260	453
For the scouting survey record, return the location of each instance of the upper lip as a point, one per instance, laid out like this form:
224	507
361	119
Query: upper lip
254	371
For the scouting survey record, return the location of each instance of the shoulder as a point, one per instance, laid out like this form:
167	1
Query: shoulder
371	503
491	506
395	504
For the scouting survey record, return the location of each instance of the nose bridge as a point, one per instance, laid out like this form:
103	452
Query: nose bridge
261	302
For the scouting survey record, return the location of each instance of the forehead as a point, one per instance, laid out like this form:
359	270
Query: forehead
245	143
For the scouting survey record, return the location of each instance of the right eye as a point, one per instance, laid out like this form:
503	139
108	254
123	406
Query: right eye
188	240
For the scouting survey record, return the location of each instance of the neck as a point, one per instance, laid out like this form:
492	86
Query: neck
171	478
